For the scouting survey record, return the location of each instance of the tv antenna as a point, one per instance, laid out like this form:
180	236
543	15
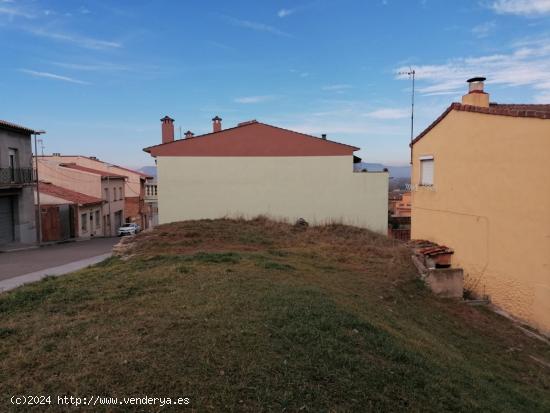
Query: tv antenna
41	142
411	73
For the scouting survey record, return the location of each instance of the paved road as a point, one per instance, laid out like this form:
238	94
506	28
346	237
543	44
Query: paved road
17	263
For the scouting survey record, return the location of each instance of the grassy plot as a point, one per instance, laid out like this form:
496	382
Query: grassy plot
256	316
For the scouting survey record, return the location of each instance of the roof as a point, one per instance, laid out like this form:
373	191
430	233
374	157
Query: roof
67	194
12	126
502	109
91	170
97	160
252	139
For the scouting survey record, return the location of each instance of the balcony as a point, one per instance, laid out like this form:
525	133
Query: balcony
16	176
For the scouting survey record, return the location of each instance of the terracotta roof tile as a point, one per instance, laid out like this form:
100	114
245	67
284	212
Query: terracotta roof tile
68	194
252	139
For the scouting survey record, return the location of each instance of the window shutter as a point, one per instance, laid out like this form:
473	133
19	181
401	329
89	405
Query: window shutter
426	172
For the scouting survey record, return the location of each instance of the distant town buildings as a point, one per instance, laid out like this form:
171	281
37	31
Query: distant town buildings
135	208
254	168
106	185
477	171
17	212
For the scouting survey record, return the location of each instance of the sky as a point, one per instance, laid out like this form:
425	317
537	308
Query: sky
99	75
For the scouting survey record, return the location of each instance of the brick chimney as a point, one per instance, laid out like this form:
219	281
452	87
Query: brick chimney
167	127
216	124
476	96
188	134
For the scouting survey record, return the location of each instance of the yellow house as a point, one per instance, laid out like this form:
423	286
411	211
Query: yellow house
480	183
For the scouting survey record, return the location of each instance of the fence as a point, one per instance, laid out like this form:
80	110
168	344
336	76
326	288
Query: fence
10	176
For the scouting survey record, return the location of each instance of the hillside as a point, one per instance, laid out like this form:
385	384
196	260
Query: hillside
258	316
395	171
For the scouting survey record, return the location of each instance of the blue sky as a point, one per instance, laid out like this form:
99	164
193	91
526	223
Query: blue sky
98	76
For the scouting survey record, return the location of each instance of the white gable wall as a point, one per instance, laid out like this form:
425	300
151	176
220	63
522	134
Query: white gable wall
320	189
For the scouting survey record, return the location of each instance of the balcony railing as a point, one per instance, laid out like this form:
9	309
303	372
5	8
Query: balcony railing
16	176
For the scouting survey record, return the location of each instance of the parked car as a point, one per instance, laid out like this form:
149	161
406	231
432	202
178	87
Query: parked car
129	229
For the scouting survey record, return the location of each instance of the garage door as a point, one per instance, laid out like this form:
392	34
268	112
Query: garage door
6	220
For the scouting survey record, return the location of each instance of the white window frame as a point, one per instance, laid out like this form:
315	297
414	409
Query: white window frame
424	160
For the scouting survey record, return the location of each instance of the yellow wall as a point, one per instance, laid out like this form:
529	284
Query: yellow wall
319	189
491	203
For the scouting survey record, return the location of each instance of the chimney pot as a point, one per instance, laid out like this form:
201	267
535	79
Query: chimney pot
475	84
167	128
216	124
188	134
476	96
324	136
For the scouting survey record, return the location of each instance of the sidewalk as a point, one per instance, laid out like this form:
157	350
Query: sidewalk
11	283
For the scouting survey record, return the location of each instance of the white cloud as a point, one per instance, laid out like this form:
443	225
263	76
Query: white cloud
53	76
92	67
521	7
285	12
12	12
484	29
254	99
86	42
260	27
389	113
528	64
337	87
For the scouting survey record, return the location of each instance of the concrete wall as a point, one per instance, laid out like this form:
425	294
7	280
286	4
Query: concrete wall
490	203
24	211
320	189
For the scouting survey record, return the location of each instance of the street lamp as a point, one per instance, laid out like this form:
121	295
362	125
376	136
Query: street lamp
39	226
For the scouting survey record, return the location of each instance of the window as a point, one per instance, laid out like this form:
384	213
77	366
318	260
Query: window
84	222
13	161
107	194
120	193
114	194
97	221
426	170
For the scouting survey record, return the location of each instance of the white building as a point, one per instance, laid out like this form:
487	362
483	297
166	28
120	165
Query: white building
258	169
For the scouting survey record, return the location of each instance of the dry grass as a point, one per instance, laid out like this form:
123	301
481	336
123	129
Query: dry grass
259	316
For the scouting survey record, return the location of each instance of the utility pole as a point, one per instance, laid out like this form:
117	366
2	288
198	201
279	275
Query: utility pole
39	215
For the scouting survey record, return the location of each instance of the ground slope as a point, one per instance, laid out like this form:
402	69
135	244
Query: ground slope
257	316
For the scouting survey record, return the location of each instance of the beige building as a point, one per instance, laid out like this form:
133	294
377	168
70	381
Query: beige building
481	175
107	186
258	169
135	208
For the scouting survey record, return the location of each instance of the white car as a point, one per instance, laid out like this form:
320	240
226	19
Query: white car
129	229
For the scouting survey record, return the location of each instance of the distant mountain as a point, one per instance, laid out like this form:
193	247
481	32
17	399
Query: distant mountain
395	171
149	170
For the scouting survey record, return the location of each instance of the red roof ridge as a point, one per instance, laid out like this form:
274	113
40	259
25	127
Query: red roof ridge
68	194
520	110
250	123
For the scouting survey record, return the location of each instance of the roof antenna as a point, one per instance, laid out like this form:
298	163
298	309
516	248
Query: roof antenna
180	132
411	73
